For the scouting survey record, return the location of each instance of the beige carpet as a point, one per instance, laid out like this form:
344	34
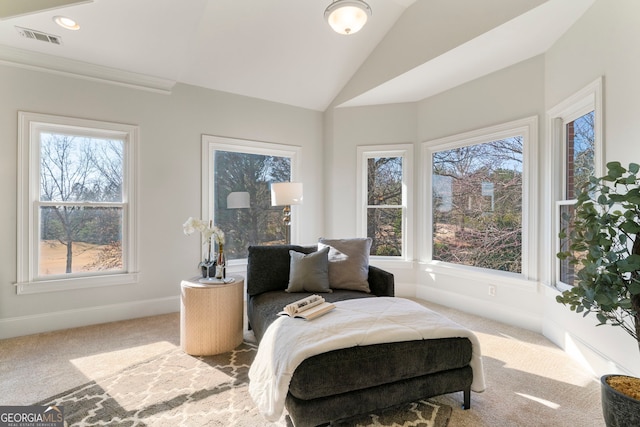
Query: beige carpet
530	381
175	389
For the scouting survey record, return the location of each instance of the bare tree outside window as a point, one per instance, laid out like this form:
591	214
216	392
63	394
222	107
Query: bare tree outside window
384	205
80	206
477	205
579	166
261	223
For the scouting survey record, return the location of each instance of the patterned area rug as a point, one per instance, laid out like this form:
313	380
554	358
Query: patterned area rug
175	389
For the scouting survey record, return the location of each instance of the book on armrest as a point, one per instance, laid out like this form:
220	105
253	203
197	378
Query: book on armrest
308	308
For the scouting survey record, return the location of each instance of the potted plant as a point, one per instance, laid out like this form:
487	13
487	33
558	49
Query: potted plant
603	245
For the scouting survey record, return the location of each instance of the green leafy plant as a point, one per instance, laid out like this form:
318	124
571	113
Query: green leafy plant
603	237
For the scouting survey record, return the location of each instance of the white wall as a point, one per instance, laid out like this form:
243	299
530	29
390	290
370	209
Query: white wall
513	93
346	129
426	30
169	169
605	42
352	127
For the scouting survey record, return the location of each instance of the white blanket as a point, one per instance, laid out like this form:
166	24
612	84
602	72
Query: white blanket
358	322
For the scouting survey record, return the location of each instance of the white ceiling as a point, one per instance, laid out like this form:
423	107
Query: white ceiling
277	50
524	37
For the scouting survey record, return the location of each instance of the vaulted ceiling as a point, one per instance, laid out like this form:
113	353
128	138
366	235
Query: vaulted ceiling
283	50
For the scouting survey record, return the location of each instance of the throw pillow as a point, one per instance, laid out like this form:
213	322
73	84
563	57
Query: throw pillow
348	263
309	272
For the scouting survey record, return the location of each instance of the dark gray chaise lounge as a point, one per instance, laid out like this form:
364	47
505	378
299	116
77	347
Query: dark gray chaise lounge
343	383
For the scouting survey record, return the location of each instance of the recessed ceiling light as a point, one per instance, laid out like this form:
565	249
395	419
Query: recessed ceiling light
65	22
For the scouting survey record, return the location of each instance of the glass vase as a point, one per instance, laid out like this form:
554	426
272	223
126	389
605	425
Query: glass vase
221	263
208	265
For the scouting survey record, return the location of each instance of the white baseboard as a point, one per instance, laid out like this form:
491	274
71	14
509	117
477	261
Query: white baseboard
584	353
45	322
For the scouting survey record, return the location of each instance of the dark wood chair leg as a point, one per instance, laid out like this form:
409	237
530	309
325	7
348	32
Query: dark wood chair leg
467	398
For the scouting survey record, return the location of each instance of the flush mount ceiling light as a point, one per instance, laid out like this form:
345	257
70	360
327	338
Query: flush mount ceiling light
347	16
65	22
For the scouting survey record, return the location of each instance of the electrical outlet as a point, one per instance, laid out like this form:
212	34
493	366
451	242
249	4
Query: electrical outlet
492	290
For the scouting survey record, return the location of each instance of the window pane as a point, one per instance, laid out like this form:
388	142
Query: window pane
567	271
260	223
384	226
580	153
77	239
384	181
80	169
477	205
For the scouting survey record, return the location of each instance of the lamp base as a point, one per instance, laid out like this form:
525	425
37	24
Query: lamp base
287	224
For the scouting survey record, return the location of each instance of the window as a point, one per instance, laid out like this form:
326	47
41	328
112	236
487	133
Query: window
576	137
579	137
76	210
478	193
238	195
384	176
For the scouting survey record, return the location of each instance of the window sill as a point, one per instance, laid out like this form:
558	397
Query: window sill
561	287
390	263
65	284
479	274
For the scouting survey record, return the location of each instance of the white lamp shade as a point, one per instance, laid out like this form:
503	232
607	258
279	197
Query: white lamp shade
286	193
347	16
238	200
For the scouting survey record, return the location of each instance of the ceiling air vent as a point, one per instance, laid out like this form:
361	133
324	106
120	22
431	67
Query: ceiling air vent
39	35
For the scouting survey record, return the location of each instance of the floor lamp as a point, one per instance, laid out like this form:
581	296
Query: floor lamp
286	194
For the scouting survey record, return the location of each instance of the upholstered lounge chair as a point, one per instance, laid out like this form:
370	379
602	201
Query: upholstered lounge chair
343	383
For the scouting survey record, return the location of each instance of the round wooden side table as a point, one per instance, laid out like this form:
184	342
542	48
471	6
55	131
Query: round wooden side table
211	316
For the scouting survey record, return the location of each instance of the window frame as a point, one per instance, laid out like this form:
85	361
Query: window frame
587	99
213	143
528	129
30	125
366	152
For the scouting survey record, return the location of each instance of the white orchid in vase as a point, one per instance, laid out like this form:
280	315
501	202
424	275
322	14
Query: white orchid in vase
210	234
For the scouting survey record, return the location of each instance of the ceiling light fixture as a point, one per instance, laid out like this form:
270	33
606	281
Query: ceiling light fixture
347	16
65	22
